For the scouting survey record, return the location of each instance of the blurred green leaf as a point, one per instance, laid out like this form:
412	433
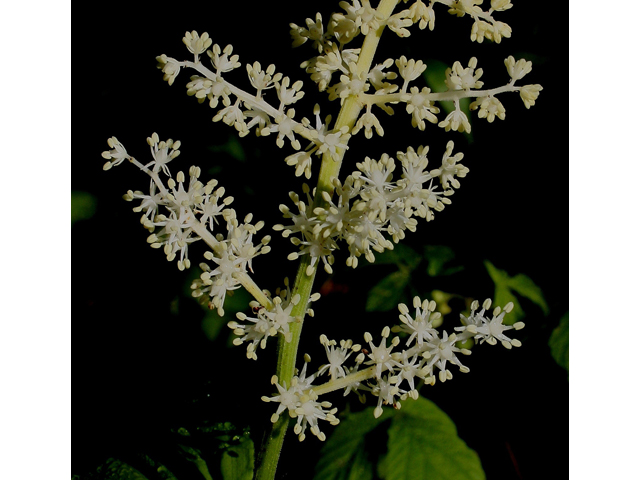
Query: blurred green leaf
424	444
559	342
437	257
344	457
232	147
388	292
114	469
521	284
237	461
193	455
401	255
83	206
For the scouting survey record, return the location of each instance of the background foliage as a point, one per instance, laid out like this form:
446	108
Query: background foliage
149	361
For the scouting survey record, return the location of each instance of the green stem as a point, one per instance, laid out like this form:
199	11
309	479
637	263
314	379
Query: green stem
330	168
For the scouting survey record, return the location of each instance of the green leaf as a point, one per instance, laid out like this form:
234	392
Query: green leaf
193	455
83	206
559	342
521	284
344	457
237	461
232	147
401	255
424	444
114	469
386	295
438	256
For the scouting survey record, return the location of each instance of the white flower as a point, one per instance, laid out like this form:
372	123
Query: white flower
346	27
518	69
353	83
423	13
302	161
451	168
212	204
377	76
456	121
336	356
529	94
444	350
225	62
459	78
197	44
397	23
288	95
162	152
301	402
116	155
377	174
420	327
314	31
381	355
233	115
500	29
462	7
490	108
421	108
150	203
240	238
409	370
409	70
280	316
286	126
317	247
368	16
386	391
254	335
261	79
289	398
413	168
501	5
481	30
491	330
309	412
333	142
303	222
368	121
170	67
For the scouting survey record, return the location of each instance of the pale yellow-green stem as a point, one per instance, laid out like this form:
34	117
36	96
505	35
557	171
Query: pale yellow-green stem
329	169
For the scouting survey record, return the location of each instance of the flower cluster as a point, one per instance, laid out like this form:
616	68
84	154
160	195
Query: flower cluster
335	60
393	372
269	321
178	213
370	204
302	403
336	70
369	211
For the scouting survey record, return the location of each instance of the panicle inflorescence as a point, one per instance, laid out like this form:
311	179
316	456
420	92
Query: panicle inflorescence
392	369
370	204
370	210
335	70
178	212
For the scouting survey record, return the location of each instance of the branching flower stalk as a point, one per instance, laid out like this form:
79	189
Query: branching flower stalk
369	210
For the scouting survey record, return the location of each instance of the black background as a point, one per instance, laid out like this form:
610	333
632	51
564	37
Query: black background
141	362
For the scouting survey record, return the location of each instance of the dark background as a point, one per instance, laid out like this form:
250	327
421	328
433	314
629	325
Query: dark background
142	364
